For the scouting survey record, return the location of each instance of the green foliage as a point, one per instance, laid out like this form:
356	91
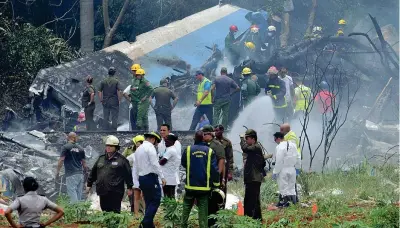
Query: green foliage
73	212
110	219
229	219
352	224
173	212
283	222
386	216
268	191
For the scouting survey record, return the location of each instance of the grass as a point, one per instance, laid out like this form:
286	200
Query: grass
365	196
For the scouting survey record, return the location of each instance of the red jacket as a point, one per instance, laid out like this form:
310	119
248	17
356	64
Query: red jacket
324	100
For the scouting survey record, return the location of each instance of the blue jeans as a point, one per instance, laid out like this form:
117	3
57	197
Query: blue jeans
151	189
200	111
74	187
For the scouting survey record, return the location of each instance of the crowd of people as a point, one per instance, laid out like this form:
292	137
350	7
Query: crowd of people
148	170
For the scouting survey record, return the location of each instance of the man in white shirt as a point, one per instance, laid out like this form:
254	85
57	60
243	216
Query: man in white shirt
170	163
132	113
165	130
147	170
283	74
287	161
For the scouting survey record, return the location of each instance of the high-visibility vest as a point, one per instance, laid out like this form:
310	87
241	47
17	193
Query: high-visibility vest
198	156
302	94
200	92
291	136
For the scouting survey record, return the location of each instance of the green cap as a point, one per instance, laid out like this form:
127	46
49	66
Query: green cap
162	81
208	128
250	132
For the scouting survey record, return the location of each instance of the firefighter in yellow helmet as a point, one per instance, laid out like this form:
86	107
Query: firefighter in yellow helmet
141	90
250	88
127	95
342	24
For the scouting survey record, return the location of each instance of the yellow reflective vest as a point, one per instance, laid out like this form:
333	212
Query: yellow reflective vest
302	94
291	137
200	92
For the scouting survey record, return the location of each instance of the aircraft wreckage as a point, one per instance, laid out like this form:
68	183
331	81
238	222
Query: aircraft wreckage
35	150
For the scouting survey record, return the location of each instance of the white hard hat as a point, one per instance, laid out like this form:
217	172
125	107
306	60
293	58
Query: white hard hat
271	28
218	195
112	141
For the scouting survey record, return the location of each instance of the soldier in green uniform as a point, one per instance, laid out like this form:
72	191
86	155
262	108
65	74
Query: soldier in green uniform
140	93
218	148
163	108
250	88
110	96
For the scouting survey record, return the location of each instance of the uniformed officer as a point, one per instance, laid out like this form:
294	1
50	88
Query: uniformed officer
110	172
215	145
253	173
163	108
140	93
276	89
219	135
132	107
201	176
88	104
110	96
250	88
30	207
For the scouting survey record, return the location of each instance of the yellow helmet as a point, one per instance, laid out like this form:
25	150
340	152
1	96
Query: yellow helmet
340	32
246	71
140	72
135	66
250	45
138	138
342	22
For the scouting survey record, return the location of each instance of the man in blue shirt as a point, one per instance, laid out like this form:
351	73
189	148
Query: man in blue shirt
203	101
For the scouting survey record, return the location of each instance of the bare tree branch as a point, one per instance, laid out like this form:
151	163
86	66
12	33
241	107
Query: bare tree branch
111	31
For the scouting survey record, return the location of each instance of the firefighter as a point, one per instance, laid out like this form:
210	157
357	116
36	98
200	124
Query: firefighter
202	175
133	107
140	93
301	98
250	88
276	89
230	51
342	24
204	100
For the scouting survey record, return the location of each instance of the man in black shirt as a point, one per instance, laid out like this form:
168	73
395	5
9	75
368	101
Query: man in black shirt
73	158
110	172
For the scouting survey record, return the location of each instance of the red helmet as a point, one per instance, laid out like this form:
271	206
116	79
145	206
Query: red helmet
233	28
81	116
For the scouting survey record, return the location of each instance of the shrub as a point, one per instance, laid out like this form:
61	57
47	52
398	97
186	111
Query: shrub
385	216
229	219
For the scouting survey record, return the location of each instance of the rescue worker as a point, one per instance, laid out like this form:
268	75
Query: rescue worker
136	199
255	38
250	50
250	88
81	125
218	148
324	98
204	101
165	130
170	162
287	161
146	171
317	32
342	24
88	103
163	108
73	158
30	207
301	98
276	89
230	51
110	172
253	173
140	93
283	74
133	107
271	41
201	176
222	99
110	97
219	135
